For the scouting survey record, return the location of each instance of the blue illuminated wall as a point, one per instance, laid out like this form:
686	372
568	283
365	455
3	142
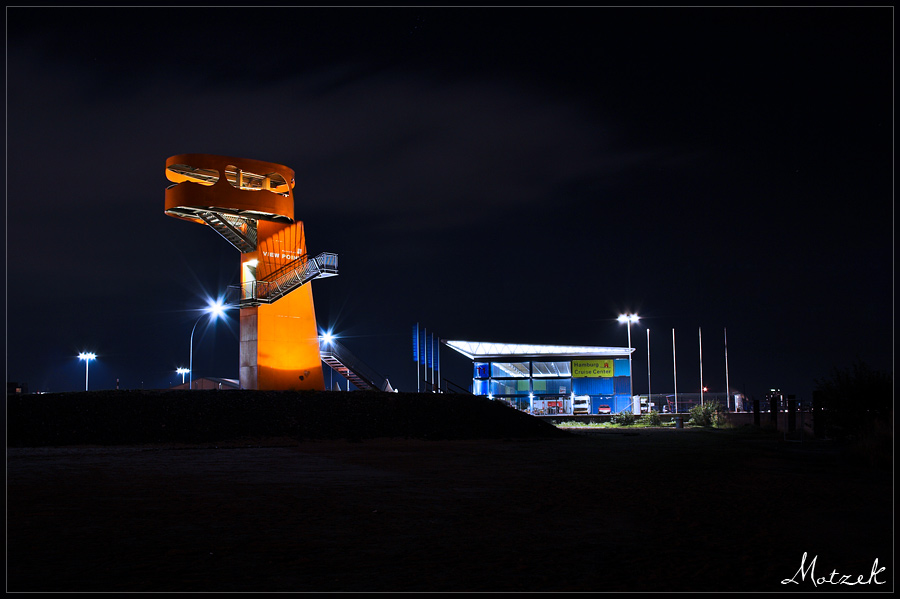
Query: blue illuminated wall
516	380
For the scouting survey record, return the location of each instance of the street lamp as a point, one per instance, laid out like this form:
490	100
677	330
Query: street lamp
182	372
628	319
327	338
215	309
87	357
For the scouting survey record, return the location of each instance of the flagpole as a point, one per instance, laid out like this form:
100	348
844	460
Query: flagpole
416	344
649	397
674	371
700	334
727	388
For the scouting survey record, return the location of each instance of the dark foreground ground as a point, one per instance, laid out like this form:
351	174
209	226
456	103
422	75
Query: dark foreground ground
253	491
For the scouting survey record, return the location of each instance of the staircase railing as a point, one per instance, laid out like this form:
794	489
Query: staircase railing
333	352
238	231
287	278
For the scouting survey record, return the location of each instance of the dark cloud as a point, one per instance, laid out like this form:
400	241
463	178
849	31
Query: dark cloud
511	175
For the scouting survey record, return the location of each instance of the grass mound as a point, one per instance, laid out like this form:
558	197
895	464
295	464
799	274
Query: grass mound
200	416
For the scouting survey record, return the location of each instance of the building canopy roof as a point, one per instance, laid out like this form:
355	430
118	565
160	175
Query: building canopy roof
476	350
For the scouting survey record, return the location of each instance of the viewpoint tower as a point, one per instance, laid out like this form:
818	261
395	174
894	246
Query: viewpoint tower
250	203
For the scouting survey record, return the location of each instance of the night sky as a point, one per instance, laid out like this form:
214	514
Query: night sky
517	175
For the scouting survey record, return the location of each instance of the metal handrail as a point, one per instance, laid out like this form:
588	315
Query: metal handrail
287	278
327	262
352	363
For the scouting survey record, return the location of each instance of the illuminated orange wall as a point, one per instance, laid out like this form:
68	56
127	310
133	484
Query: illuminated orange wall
280	341
279	344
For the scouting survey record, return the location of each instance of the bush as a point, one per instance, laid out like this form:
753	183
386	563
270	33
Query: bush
856	400
708	414
653	418
623	419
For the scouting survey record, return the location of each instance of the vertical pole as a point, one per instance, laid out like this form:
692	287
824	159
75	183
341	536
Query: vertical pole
530	387
432	364
727	388
674	371
191	358
630	374
425	344
86	362
649	398
416	351
700	333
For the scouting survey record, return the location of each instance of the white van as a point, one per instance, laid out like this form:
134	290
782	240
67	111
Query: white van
581	404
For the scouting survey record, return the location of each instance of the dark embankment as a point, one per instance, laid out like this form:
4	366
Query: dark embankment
139	417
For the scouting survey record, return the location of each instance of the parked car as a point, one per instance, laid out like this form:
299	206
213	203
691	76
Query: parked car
603	410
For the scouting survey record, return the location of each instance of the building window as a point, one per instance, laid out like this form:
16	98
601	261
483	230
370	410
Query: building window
509	370
552	369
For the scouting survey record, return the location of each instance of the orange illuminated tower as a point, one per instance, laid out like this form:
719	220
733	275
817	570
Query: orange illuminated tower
251	204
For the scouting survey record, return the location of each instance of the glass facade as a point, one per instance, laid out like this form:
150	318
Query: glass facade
547	386
552	369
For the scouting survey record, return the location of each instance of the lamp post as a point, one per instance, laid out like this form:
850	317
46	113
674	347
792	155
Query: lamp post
215	309
327	337
182	372
628	319
87	357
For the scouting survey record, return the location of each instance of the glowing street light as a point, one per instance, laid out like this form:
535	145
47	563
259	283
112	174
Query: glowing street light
182	372
215	309
87	357
628	319
327	338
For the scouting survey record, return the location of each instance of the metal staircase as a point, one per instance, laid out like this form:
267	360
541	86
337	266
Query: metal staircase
239	232
351	368
287	278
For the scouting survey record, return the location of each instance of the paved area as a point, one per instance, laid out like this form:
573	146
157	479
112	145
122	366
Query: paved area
647	510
